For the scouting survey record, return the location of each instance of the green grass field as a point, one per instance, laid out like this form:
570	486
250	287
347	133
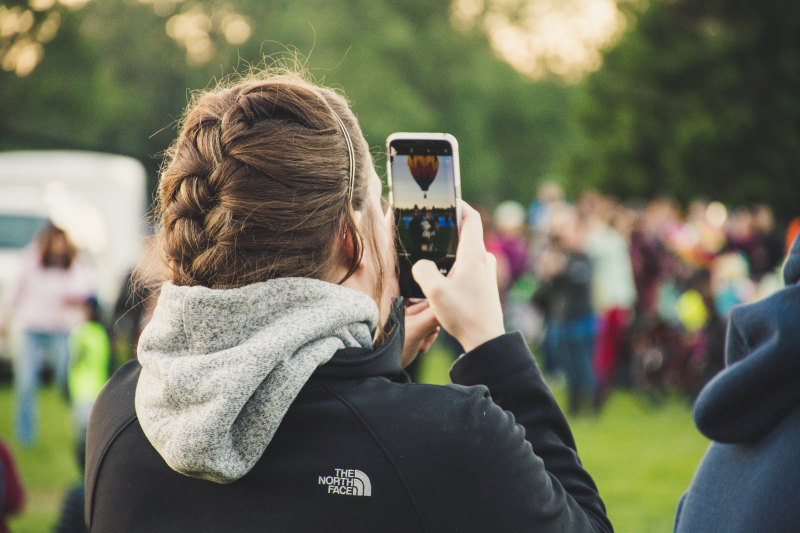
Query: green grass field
49	467
641	457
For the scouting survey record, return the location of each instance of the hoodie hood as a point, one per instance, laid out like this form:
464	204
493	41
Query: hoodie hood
761	382
220	367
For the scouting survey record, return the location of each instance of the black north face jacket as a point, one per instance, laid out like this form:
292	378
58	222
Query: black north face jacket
363	450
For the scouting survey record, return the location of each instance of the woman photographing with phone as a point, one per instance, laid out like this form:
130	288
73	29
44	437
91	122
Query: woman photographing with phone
269	393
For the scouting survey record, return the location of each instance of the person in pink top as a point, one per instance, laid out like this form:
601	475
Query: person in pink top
53	281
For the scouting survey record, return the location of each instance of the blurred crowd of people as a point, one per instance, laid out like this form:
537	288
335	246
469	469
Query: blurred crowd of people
635	295
608	292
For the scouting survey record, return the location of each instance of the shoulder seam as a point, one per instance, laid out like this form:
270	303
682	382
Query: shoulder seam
386	453
108	444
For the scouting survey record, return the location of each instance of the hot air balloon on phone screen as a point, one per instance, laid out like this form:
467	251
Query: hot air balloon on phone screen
423	165
423	169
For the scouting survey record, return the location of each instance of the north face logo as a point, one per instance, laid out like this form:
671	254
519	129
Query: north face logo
348	482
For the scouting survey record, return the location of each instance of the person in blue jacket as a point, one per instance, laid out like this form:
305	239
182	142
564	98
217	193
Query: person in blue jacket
749	478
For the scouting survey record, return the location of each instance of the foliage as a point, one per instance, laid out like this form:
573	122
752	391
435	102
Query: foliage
113	80
699	98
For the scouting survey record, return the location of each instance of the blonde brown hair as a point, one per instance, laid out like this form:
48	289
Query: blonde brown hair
256	185
47	255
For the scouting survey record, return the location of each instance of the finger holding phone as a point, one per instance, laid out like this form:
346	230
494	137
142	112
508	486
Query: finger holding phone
466	301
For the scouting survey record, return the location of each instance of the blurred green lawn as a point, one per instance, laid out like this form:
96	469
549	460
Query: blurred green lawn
642	457
48	468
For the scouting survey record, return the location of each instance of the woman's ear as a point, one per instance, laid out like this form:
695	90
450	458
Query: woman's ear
348	247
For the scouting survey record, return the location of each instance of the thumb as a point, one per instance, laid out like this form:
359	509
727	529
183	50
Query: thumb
417	308
425	322
427	276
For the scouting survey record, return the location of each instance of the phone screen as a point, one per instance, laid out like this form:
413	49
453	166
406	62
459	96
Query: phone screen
424	197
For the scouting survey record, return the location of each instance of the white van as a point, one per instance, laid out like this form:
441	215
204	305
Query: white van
100	200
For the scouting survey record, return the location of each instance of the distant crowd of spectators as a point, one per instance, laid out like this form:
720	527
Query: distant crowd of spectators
616	294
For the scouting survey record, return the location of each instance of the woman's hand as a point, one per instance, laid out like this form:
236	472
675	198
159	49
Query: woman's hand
421	330
467	301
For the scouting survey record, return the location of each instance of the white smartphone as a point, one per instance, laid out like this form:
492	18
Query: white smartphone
424	188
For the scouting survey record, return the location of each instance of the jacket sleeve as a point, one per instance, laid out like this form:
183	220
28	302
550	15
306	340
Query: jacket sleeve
523	439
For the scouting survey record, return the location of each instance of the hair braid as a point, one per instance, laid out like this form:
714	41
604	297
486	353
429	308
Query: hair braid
257	185
190	201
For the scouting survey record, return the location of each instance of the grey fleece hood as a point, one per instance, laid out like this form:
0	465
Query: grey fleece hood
221	367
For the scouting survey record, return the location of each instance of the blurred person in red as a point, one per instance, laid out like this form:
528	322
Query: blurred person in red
47	299
650	259
12	495
613	288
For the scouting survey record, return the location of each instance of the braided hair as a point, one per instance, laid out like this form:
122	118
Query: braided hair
257	185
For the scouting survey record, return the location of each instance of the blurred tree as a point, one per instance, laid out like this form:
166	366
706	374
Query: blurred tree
699	98
115	76
25	27
543	38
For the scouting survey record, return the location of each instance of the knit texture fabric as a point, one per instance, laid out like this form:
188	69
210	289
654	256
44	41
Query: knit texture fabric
220	367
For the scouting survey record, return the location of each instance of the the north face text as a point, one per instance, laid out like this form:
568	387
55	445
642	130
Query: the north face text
348	482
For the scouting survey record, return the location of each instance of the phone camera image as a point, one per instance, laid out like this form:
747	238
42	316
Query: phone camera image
424	196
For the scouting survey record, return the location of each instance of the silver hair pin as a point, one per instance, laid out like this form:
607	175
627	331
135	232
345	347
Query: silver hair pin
350	153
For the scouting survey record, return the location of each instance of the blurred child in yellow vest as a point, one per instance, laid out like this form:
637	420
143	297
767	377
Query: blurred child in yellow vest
90	356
